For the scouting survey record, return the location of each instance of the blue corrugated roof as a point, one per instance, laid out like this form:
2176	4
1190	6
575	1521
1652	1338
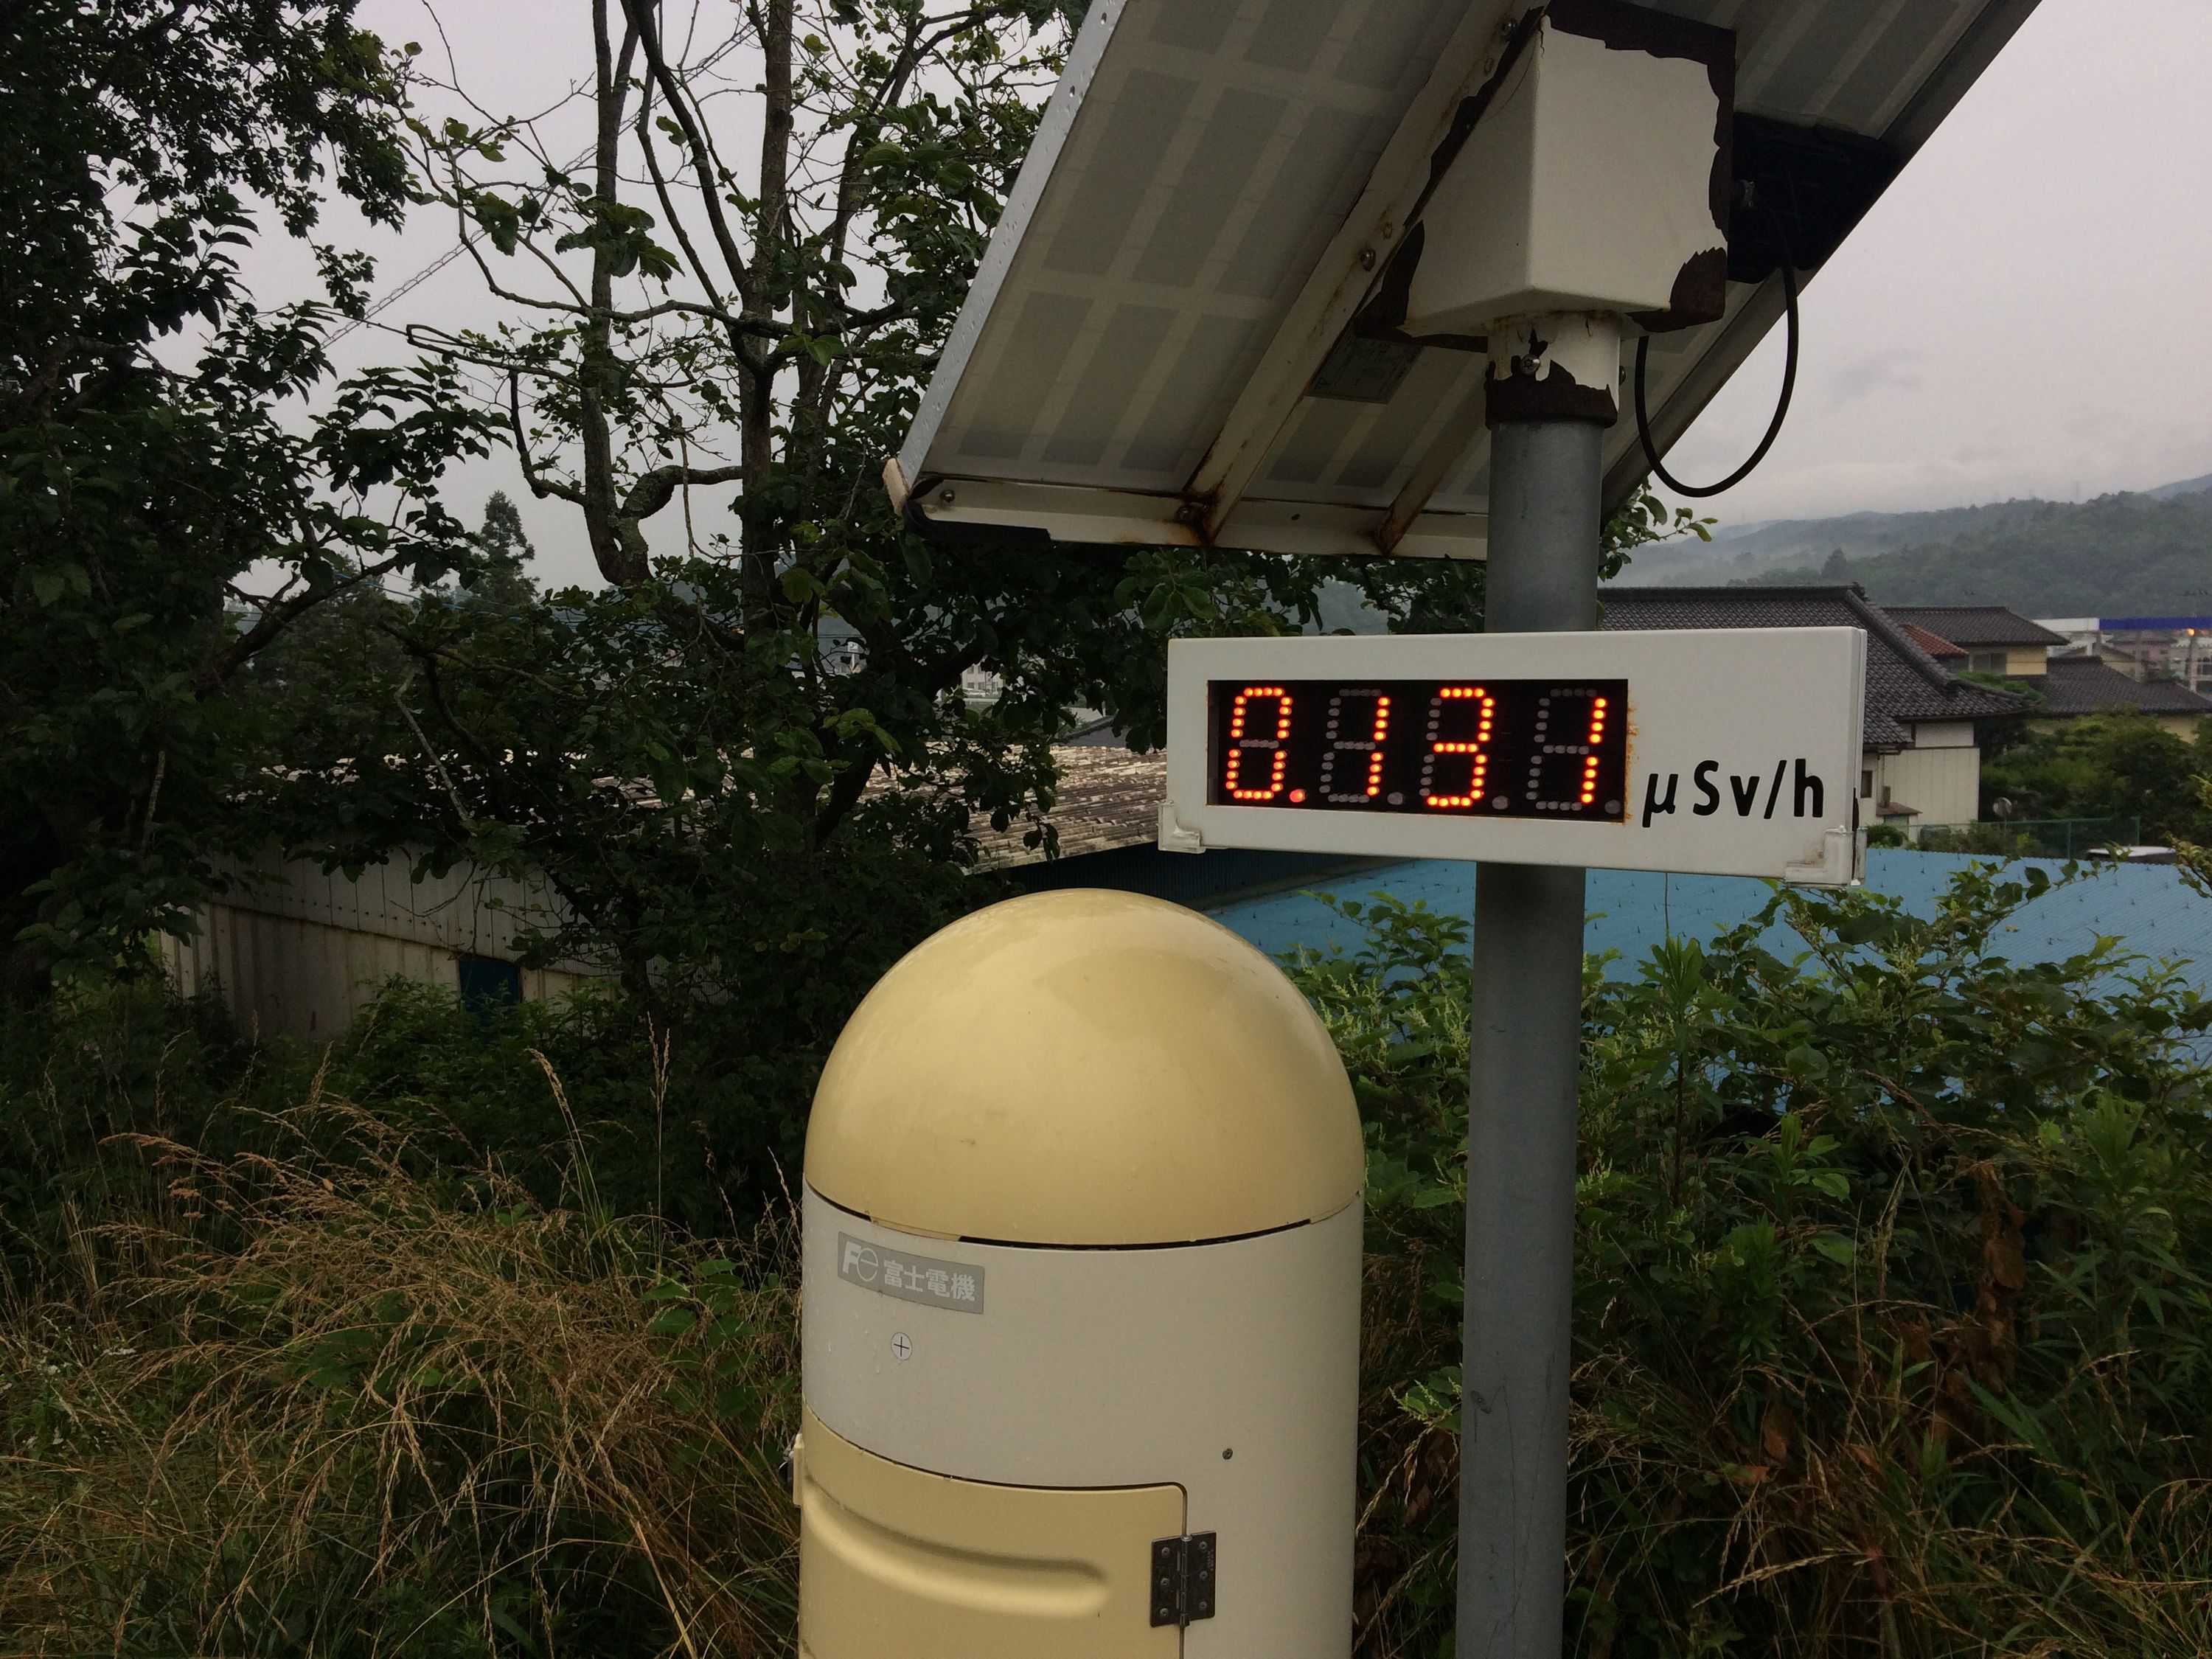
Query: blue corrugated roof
2148	907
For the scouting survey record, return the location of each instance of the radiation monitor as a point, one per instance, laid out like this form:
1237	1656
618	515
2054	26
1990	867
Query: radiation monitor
1724	751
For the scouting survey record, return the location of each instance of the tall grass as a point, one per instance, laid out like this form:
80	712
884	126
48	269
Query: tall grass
333	1396
1895	1296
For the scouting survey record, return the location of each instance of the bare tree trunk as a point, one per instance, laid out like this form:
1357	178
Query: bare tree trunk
621	557
772	237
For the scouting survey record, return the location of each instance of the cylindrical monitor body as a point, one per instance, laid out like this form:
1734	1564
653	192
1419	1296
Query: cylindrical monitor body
1082	1241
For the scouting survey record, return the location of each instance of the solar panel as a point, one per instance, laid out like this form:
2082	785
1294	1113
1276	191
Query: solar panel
1157	350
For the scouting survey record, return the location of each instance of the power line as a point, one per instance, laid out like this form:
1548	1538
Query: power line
432	269
451	254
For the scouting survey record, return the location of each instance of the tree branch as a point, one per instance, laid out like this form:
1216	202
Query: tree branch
775	130
653	490
640	13
274	618
540	487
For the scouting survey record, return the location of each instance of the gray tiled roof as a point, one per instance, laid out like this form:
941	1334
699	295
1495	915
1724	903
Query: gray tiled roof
2085	685
1905	684
1976	624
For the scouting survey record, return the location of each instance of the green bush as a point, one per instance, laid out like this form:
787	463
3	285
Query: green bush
1895	1296
1894	1290
2122	764
1988	840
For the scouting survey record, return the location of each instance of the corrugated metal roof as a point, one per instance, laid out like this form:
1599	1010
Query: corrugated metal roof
1107	798
1905	684
2150	907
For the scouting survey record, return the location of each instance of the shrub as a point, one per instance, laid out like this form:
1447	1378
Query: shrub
1893	1298
690	1128
1894	1290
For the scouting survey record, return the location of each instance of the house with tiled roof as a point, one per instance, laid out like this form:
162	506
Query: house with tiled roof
1993	639
1920	762
2076	685
2072	681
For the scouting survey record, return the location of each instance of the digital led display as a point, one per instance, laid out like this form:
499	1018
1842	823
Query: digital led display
1538	748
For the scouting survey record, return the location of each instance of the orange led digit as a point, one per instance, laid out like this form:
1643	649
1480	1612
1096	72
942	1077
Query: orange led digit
1590	745
1478	767
1239	743
1375	762
1372	747
1502	749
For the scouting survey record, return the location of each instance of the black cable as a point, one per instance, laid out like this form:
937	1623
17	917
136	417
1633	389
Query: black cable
1774	427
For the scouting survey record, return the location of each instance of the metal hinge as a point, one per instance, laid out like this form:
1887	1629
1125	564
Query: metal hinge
1182	1579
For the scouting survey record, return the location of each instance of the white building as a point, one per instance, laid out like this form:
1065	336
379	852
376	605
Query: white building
296	952
1919	763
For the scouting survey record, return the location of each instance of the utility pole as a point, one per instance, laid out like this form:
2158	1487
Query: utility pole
1525	1037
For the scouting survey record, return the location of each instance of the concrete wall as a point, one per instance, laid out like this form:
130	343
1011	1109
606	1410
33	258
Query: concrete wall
1944	734
294	952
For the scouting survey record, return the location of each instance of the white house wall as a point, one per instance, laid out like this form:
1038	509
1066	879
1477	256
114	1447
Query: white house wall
463	910
1943	786
1944	734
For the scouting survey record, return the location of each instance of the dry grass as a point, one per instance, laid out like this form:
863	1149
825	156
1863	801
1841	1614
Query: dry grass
346	1403
1875	1531
1885	1522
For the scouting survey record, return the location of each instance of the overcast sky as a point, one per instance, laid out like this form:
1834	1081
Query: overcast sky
2016	315
2019	316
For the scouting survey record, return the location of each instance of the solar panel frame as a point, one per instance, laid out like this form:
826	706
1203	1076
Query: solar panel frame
1116	375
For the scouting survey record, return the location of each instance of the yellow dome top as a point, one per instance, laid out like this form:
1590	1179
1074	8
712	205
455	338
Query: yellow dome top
1083	1068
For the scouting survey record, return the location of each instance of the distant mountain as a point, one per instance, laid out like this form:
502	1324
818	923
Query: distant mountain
2125	555
2186	487
2119	556
1742	552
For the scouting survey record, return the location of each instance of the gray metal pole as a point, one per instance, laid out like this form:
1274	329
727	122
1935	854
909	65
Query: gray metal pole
1545	478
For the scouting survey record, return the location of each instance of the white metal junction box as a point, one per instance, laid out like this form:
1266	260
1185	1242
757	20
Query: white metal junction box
1595	179
1081	1302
